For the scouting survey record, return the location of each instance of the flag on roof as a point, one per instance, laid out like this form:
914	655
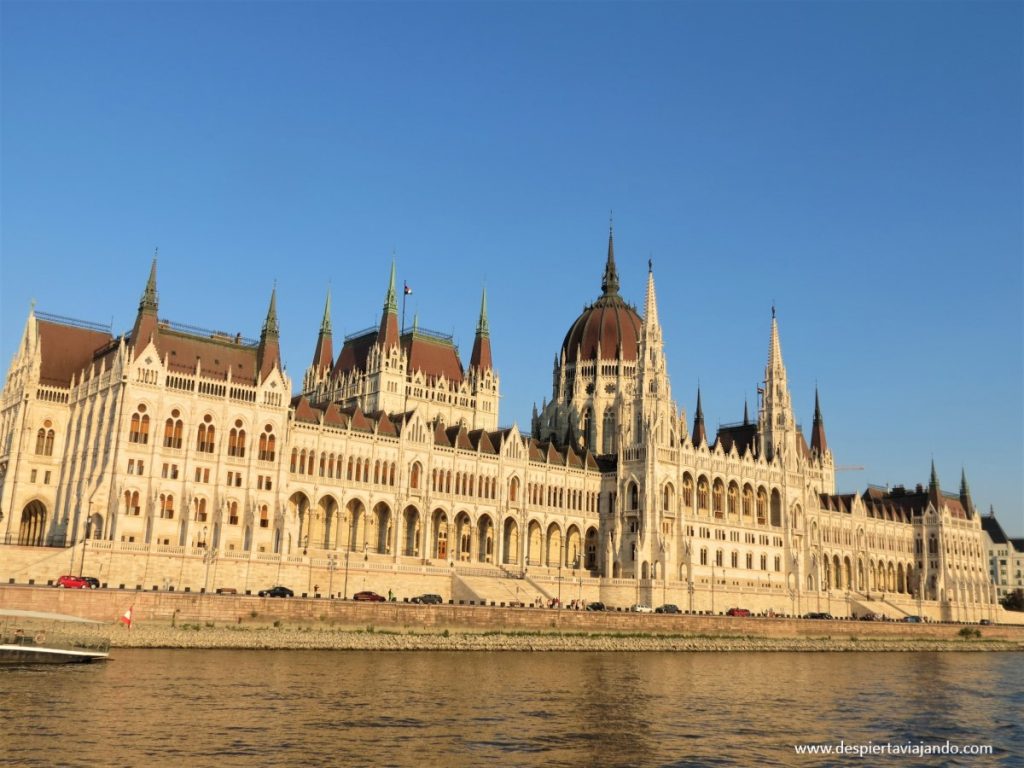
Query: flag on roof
408	290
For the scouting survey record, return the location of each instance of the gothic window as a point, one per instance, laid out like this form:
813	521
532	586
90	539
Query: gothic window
748	501
702	494
688	491
776	510
200	510
703	555
295	460
667	497
44	440
718	499
414	475
734	500
264	517
233	513
608	431
205	435
131	503
267	447
166	506
762	506
172	430
236	440
139	429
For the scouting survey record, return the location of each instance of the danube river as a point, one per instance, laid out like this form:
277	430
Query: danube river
341	708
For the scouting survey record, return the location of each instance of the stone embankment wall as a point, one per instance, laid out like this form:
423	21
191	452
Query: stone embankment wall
235	621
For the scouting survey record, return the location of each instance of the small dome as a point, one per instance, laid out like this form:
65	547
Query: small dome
609	323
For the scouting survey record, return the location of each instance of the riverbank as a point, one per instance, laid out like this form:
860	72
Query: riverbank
312	637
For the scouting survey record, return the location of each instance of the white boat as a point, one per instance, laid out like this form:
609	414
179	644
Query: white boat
21	646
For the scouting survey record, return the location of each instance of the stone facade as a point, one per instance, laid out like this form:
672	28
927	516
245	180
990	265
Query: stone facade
1005	556
187	446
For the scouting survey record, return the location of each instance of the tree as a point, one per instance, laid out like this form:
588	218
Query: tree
1014	601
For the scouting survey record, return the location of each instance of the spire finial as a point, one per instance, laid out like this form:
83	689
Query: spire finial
270	324
149	295
325	324
610	281
482	327
390	302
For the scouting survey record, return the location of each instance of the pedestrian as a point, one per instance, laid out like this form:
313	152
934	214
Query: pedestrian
391	597
316	589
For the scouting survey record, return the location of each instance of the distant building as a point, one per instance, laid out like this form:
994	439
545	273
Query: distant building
1005	557
173	441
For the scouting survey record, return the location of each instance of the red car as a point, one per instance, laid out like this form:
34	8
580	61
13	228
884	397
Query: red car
73	582
738	612
369	597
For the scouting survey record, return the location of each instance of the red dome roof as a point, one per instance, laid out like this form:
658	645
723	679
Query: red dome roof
609	323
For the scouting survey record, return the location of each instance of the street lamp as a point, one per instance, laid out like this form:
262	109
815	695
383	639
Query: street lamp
332	564
560	575
85	542
209	556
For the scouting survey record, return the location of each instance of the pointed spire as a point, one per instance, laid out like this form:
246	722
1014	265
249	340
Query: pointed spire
934	490
481	356
746	413
933	481
818	442
325	324
774	347
145	327
148	302
482	329
268	354
270	324
387	336
965	495
323	356
650	303
610	281
699	434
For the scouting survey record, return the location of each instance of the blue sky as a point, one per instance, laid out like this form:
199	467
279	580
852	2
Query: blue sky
859	164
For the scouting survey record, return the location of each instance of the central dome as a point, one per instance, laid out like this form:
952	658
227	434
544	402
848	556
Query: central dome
609	323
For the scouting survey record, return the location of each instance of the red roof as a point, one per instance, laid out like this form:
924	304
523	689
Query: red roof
610	323
66	350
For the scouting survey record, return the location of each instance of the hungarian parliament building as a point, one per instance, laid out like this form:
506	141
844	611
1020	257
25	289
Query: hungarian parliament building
181	446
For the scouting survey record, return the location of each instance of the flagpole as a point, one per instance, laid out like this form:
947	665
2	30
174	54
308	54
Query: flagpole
405	292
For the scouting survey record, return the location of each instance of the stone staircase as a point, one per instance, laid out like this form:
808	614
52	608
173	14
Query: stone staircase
488	589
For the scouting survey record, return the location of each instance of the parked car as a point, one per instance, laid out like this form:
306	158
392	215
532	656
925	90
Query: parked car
667	608
277	591
641	608
68	581
985	622
818	615
427	600
94	583
912	619
738	612
369	597
872	617
595	607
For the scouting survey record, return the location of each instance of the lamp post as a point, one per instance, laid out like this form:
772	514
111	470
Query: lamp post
209	556
332	564
366	558
560	549
85	543
712	590
689	589
344	592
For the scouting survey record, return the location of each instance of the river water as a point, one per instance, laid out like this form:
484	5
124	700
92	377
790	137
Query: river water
342	708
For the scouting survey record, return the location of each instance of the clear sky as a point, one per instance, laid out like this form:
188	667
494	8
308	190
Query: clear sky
859	164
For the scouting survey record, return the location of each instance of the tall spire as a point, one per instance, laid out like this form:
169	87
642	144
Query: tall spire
650	302
774	347
149	295
145	327
270	324
746	413
610	281
387	337
776	423
818	442
481	356
325	324
965	495
268	354
934	489
699	434
322	356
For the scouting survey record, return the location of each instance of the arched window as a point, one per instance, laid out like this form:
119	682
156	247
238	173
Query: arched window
267	444
40	441
293	464
131	503
205	435
233	513
718	499
139	429
634	496
762	506
172	430
734	500
748	501
688	491
166	506
236	440
200	510
702	494
264	517
667	497
414	476
608	432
